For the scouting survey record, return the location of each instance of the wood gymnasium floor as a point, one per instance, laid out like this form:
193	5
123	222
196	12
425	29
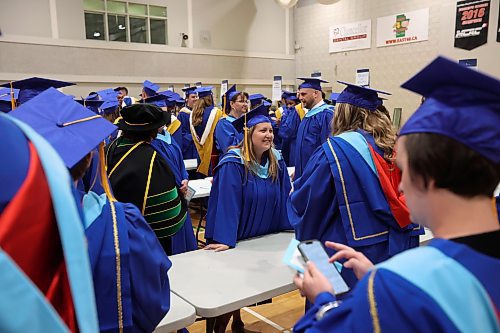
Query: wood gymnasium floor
280	315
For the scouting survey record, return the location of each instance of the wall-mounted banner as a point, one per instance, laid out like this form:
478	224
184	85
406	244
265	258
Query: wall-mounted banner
498	26
350	36
470	63
471	27
316	74
223	87
363	77
171	88
198	84
276	88
406	27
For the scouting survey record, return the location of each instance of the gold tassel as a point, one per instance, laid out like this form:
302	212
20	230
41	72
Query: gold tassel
246	153
104	176
12	99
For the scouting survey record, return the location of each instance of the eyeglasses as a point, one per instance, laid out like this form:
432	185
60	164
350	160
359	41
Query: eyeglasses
245	101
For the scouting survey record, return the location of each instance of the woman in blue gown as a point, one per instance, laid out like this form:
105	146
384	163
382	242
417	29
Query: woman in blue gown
188	147
249	193
225	134
348	191
202	123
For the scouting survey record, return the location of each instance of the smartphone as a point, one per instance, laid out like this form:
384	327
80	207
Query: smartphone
190	193
314	251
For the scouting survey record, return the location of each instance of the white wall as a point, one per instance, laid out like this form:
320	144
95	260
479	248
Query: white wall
242	49
25	17
389	66
251	25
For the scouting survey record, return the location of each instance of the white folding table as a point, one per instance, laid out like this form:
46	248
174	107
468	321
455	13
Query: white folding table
180	315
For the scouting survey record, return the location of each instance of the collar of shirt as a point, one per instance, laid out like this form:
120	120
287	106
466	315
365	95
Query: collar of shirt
314	107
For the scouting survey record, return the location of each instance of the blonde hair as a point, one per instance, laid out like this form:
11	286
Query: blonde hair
250	165
349	118
198	108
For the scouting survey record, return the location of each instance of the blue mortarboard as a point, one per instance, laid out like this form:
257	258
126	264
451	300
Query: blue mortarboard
289	95
258	115
189	90
363	97
204	91
108	93
226	98
311	82
150	88
5	99
33	86
91	104
70	128
460	103
159	100
256	98
109	106
334	96
5	94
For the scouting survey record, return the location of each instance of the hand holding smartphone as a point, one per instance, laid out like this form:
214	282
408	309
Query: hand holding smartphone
313	250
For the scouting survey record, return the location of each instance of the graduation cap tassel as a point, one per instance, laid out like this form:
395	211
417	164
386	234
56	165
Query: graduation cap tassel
246	153
104	176
12	99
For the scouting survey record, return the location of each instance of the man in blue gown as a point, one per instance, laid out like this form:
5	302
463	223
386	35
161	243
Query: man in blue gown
449	151
188	147
289	125
129	267
315	127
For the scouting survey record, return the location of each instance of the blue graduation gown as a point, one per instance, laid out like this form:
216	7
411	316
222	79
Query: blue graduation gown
188	147
313	130
442	287
184	239
145	287
288	134
226	135
243	206
317	208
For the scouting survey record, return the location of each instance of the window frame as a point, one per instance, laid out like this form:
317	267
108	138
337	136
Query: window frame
127	15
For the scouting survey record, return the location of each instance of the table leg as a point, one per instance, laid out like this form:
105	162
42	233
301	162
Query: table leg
202	213
209	325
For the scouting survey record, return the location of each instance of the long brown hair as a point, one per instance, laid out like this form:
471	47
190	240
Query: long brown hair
250	165
349	118
198	108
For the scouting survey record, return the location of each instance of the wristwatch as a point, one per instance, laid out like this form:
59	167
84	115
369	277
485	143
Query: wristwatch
325	308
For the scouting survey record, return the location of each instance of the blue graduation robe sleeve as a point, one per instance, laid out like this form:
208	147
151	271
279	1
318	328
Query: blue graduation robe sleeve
353	315
177	137
225	204
226	135
313	204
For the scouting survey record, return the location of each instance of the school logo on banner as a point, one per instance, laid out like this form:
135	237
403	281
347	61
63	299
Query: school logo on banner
471	27
408	27
350	36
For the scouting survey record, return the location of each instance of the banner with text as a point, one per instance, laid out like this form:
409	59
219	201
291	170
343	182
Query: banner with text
407	27
350	36
276	88
471	25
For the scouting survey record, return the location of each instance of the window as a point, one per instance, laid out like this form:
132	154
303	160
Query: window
122	21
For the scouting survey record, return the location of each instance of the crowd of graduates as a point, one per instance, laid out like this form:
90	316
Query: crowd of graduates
94	200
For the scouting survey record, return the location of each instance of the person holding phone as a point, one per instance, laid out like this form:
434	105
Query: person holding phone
449	152
348	192
249	192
